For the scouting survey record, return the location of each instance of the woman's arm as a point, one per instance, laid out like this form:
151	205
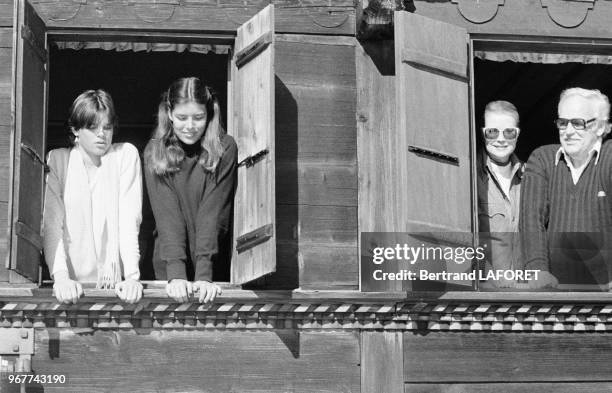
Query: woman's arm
214	211
53	219
130	210
64	289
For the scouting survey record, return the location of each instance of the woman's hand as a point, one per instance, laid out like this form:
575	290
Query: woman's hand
208	291
67	290
179	290
130	291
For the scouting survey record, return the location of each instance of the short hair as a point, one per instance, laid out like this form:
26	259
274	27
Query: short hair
501	106
603	104
88	109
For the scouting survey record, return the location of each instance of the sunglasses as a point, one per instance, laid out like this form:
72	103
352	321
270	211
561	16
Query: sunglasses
577	124
493	133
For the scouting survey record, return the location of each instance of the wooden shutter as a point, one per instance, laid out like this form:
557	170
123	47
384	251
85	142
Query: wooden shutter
433	126
424	158
252	125
30	83
432	116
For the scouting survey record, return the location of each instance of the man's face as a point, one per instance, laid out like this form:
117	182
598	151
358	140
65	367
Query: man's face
500	149
578	143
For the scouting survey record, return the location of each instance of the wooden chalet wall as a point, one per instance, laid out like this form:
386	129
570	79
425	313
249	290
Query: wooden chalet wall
316	189
316	170
335	116
6	87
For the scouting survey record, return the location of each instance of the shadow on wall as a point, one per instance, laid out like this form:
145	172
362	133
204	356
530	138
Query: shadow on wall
287	189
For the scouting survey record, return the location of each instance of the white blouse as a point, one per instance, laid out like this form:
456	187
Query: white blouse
92	232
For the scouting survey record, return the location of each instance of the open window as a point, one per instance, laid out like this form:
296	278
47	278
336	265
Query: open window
532	74
135	69
444	81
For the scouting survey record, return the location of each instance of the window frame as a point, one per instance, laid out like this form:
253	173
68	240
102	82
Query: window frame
534	44
100	34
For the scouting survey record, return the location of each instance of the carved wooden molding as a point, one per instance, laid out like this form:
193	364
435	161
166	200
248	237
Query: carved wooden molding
478	11
335	14
58	10
568	13
333	315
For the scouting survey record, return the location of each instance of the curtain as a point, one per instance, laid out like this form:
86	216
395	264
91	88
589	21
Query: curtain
543	58
146	46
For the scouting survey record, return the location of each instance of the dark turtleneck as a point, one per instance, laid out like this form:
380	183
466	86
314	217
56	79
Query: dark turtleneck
191	150
192	210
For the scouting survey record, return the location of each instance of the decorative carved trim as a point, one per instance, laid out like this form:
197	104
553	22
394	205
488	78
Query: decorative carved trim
333	315
323	14
478	11
59	10
568	13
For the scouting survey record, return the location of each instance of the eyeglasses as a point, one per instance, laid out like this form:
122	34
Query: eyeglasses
577	124
493	133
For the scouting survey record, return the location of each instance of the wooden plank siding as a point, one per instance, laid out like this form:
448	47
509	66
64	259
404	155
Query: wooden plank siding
149	360
375	128
506	357
540	387
292	16
6	13
316	168
6	66
382	362
526	18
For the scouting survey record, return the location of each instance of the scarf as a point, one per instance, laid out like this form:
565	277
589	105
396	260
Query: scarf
92	227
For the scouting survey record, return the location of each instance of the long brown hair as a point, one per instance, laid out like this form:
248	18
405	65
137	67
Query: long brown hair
164	153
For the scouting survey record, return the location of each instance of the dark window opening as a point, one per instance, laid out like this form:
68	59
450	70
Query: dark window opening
534	89
136	81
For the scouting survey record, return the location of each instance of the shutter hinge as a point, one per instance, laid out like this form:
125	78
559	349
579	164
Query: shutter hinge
250	52
253	238
434	154
252	160
34	155
28	234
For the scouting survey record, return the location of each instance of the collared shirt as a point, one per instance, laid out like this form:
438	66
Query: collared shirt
577	171
498	215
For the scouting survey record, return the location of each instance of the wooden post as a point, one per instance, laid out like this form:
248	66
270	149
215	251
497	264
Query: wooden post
382	362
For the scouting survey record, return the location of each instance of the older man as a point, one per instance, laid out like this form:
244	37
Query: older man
565	207
499	182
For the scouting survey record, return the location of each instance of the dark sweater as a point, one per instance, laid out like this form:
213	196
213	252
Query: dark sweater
562	222
192	209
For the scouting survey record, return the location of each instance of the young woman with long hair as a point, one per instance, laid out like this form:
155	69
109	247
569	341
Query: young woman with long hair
190	172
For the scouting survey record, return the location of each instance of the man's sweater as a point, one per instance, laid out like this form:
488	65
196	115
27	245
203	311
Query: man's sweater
554	209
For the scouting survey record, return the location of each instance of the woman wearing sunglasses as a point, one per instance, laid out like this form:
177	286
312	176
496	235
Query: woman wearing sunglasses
499	183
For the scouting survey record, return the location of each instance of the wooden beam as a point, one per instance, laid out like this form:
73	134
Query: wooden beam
506	357
139	36
540	387
214	361
382	362
318	17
